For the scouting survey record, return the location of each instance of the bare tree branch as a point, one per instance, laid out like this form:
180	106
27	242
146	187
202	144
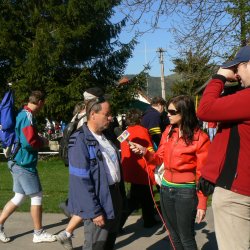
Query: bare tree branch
213	26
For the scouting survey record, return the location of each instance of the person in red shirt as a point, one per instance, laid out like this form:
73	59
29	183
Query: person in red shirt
183	149
228	164
136	171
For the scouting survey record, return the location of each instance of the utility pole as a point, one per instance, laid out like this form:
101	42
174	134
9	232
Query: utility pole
146	66
163	91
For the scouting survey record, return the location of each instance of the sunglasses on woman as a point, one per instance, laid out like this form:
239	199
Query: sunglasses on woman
173	112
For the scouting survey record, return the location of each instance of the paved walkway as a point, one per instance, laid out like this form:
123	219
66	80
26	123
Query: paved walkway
19	228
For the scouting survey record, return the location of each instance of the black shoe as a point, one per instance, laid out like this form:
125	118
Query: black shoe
151	224
161	231
121	231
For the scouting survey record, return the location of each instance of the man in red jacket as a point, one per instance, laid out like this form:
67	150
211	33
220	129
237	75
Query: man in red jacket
228	163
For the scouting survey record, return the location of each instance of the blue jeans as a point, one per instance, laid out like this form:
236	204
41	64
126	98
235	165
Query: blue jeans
24	181
179	207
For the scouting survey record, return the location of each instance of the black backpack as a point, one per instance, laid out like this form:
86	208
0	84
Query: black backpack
64	142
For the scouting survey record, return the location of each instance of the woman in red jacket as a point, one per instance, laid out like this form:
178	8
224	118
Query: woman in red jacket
136	172
183	149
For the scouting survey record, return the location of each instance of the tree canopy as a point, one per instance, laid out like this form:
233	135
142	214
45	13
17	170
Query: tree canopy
214	27
127	91
61	47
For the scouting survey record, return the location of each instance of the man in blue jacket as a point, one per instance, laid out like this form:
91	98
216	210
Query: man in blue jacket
94	192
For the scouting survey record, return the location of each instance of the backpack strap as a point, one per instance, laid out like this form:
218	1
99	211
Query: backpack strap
77	119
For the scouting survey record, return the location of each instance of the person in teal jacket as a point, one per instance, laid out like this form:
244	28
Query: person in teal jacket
26	180
29	139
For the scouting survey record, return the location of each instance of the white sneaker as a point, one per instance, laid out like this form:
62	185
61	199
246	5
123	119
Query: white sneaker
44	237
3	237
64	240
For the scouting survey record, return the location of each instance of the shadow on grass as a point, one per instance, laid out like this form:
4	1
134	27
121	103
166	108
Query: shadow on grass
2	158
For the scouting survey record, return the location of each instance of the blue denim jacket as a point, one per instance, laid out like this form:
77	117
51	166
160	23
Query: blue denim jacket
89	194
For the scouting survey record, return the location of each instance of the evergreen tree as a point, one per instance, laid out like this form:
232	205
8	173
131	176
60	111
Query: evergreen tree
62	47
194	70
123	95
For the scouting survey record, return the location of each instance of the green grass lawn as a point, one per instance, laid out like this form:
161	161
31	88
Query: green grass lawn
54	179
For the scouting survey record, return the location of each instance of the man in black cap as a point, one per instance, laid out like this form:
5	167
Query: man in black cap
228	163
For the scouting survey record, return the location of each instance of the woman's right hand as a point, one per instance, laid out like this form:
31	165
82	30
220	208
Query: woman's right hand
137	148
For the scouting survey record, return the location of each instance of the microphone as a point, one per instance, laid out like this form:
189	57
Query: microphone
122	136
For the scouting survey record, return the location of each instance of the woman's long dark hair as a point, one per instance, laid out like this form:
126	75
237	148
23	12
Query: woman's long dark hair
189	123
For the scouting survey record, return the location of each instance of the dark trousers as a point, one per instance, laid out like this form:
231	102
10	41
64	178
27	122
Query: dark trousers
179	207
97	238
140	197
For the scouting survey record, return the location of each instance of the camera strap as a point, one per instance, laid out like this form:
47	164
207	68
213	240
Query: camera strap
229	170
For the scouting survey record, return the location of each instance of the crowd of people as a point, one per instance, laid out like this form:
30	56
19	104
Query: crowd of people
192	162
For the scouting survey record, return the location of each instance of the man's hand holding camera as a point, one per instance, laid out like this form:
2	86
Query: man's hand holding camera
230	74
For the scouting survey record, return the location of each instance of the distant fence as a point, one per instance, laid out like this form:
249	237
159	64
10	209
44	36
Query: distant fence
44	153
53	146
